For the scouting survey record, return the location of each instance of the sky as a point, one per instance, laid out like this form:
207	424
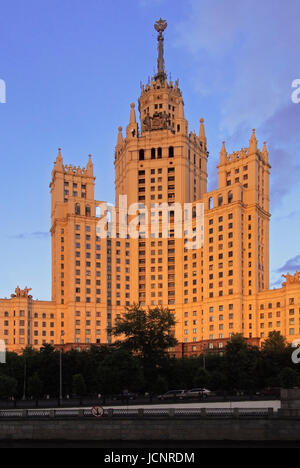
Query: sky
71	69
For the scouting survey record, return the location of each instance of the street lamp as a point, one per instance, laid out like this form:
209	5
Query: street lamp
60	373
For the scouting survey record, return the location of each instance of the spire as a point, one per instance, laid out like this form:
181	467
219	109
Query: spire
58	165
265	152
160	26
132	127
120	137
223	153
252	143
202	136
59	156
132	119
90	166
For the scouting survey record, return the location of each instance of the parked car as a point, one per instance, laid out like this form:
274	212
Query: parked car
172	394
197	393
125	396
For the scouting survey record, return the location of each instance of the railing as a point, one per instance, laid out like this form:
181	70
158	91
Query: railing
140	413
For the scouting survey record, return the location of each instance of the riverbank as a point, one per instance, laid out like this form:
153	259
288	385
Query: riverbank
238	425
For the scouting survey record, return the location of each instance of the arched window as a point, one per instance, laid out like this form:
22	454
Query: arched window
210	203
171	151
230	197
77	209
159	153
87	210
141	155
220	200
152	153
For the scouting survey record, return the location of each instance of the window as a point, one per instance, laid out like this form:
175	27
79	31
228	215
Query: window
141	155
171	151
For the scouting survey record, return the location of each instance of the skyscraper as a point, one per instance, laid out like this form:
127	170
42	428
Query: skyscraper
146	253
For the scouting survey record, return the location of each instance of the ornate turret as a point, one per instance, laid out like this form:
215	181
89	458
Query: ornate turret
120	137
265	152
223	154
202	136
90	167
132	128
58	164
120	142
252	143
160	103
59	161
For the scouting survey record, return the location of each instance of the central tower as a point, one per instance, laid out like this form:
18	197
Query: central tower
158	161
161	145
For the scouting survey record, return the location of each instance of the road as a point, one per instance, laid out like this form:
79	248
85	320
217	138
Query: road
275	404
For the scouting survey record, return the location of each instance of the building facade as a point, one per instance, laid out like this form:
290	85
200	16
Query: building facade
215	288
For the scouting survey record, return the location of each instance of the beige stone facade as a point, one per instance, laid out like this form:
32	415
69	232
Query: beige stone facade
214	290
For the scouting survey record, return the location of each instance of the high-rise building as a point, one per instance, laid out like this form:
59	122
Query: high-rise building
214	288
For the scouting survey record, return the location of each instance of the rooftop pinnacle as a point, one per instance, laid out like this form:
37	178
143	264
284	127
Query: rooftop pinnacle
160	26
202	136
252	143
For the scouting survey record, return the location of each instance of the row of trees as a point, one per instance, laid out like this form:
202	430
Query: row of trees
140	362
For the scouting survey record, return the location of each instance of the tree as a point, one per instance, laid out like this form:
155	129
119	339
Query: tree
47	348
34	386
201	378
47	365
276	355
288	377
160	385
78	385
8	386
147	333
217	380
120	370
240	364
275	343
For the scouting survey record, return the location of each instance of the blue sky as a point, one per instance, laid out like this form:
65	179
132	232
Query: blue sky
71	69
